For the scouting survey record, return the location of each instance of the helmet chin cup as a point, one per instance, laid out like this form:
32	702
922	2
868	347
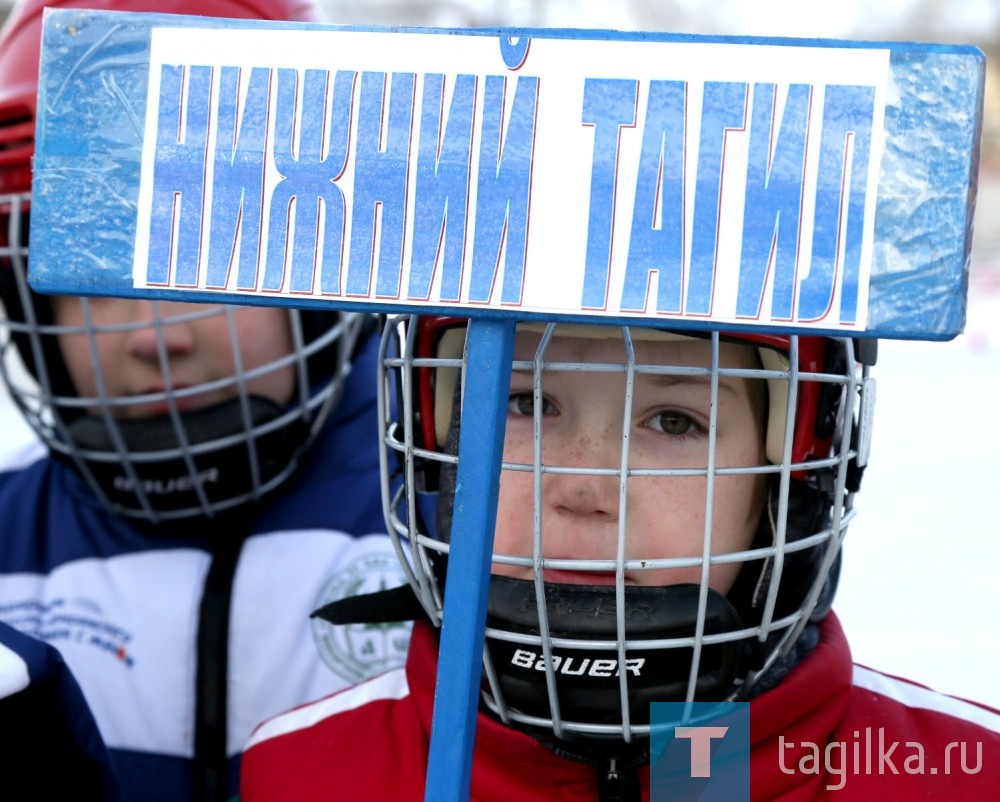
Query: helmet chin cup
660	629
152	468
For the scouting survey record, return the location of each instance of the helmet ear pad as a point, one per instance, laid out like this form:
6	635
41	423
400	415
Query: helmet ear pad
448	471
808	514
28	312
324	362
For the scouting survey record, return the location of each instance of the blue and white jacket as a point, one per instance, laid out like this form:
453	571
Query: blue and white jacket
181	639
50	744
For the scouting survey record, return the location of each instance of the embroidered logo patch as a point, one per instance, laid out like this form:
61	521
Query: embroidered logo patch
359	651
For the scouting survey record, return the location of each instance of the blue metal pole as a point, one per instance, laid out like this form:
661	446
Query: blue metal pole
460	659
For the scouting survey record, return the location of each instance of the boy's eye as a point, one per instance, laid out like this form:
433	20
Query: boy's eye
673	423
524	404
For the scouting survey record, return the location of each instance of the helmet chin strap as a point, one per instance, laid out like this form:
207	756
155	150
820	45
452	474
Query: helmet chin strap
146	467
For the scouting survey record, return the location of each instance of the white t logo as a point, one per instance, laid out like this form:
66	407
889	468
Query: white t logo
701	747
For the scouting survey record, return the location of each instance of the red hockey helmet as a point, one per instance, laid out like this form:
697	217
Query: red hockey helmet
20	42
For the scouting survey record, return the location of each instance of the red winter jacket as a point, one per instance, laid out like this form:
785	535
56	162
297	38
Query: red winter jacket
370	743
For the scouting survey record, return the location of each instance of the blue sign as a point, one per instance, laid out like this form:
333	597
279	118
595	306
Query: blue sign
673	180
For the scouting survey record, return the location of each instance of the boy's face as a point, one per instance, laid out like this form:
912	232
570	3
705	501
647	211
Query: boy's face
582	427
198	348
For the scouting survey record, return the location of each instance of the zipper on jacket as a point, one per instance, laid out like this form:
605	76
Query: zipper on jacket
617	777
616	785
211	765
612	784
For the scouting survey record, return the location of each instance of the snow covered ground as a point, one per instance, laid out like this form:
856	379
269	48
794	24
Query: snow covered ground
921	583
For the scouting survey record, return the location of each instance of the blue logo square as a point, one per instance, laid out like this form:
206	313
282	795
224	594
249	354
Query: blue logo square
699	752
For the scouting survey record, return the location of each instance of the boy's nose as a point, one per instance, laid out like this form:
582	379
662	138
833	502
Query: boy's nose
177	339
593	488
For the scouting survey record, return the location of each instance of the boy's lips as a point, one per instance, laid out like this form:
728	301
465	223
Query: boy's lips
564	577
162	407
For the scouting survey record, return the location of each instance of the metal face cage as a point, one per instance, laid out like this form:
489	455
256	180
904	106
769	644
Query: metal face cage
581	637
186	460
